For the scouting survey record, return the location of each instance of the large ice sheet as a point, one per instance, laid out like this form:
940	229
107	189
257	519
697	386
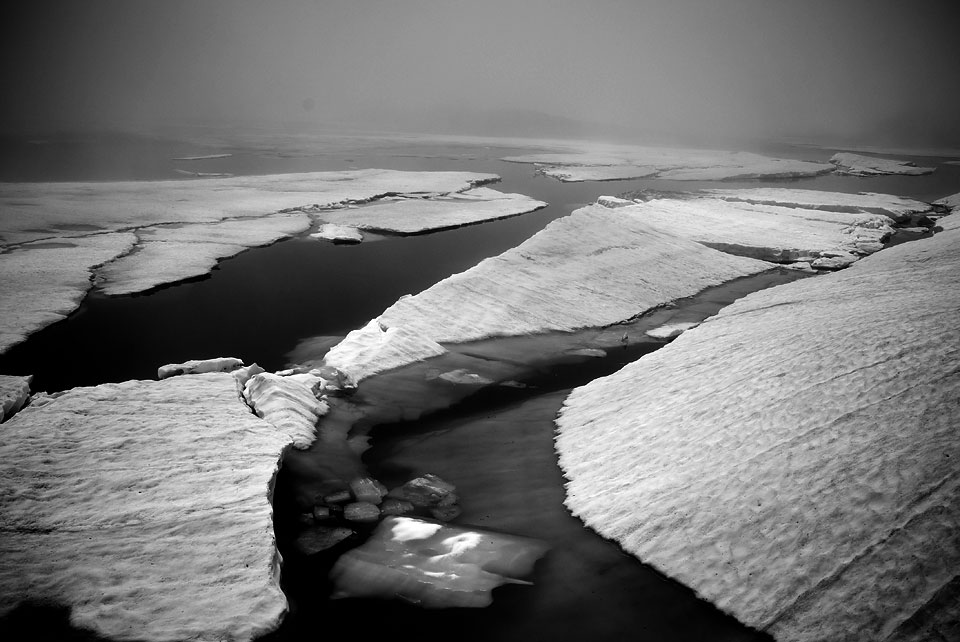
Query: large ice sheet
144	507
42	210
860	165
42	282
415	216
617	162
793	459
148	233
593	268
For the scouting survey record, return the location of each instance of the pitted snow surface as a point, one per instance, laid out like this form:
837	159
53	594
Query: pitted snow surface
144	507
794	458
590	269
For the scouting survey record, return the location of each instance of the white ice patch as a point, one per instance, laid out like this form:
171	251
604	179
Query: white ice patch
405	529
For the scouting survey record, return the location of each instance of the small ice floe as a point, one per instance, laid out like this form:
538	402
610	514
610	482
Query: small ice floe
338	233
434	565
670	330
613	202
199	366
204	157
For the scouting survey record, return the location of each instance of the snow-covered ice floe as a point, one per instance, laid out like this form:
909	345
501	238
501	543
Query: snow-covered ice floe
338	233
604	163
767	232
860	165
144	508
596	267
134	236
43	281
793	459
417	215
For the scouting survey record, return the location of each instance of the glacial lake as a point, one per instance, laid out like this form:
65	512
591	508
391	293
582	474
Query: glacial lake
495	445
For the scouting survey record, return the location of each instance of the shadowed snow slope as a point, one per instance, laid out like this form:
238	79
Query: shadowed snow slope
145	508
593	268
794	458
598	163
859	165
414	216
14	392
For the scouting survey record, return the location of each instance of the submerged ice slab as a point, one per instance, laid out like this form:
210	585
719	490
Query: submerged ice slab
43	282
434	565
417	215
793	458
593	268
859	165
143	507
623	162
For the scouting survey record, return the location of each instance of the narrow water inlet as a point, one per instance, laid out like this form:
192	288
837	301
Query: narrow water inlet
495	443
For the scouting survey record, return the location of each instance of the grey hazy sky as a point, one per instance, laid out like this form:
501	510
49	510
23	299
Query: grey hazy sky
760	67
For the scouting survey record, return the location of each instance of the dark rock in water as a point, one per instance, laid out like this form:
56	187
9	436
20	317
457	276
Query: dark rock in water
320	538
363	512
323	514
339	497
434	565
367	489
396	507
425	492
446	513
306	518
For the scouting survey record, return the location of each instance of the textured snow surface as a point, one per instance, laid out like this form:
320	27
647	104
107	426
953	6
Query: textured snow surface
288	403
600	163
951	202
859	165
41	210
593	268
417	215
896	207
372	349
170	254
148	233
42	282
14	392
768	232
144	508
794	458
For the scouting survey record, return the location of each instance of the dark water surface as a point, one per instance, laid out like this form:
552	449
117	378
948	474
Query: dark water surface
495	445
